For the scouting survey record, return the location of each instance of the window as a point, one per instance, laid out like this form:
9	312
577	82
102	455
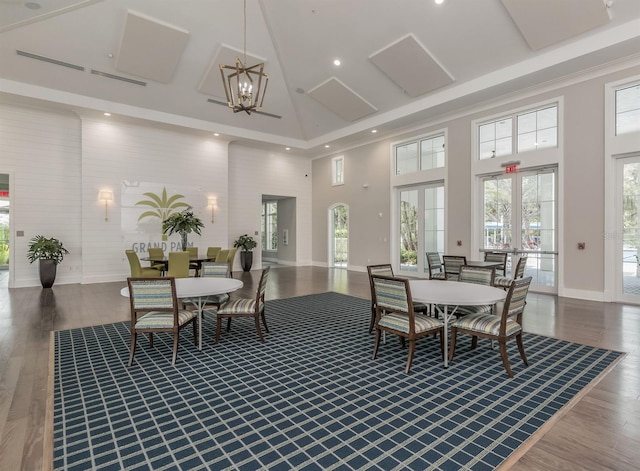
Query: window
628	109
534	129
430	150
270	225
538	129
337	173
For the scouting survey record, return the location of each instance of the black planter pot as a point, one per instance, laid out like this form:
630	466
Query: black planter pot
47	272
246	260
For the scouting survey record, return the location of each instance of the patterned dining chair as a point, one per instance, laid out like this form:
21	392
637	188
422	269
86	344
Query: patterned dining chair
211	269
154	308
504	282
452	264
395	314
498	257
223	255
252	307
480	276
436	268
500	328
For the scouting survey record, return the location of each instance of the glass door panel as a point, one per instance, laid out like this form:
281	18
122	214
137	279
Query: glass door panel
409	230
629	220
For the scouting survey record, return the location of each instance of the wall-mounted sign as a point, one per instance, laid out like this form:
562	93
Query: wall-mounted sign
511	168
4	194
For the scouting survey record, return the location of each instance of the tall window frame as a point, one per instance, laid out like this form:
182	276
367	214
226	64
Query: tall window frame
269	219
421	154
337	170
627	108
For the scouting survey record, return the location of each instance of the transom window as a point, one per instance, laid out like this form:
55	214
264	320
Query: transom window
628	109
421	154
337	172
534	129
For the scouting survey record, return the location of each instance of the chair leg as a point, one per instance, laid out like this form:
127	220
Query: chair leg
150	339
133	347
452	346
442	342
195	331
218	324
505	358
257	322
228	324
474	342
176	336
377	344
521	348
372	321
412	347
264	322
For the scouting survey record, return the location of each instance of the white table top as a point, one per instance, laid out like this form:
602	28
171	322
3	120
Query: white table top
201	286
455	293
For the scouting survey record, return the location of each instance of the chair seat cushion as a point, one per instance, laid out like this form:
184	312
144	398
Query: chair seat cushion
467	310
502	282
439	276
486	324
163	320
400	322
240	306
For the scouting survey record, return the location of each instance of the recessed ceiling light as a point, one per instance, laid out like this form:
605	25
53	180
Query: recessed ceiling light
439	2
374	131
107	114
216	134
327	146
337	62
33	5
287	148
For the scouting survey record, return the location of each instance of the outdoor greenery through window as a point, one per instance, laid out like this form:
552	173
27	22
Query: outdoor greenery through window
337	165
270	225
535	129
628	109
422	154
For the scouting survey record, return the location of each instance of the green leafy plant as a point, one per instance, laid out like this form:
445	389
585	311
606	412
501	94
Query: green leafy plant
183	223
46	248
245	242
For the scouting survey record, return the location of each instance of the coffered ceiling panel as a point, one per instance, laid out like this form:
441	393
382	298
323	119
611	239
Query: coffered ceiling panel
337	97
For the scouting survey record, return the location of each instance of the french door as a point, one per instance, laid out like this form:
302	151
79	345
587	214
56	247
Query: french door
520	217
628	225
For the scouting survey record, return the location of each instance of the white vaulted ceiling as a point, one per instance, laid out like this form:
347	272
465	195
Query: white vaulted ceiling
402	61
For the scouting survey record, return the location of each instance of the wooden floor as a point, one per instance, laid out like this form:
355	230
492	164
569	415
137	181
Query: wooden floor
602	431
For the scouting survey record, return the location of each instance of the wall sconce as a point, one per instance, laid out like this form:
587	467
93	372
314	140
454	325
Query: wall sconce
212	201
106	196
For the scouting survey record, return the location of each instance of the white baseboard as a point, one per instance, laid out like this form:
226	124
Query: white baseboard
582	294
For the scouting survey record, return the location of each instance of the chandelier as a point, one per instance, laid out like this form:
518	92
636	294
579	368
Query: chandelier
244	86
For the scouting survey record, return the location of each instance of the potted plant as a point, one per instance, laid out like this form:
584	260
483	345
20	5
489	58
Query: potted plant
246	244
183	223
50	252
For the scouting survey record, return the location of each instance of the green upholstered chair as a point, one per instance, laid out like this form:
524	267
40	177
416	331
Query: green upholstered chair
223	255
193	252
395	314
452	264
504	282
252	307
212	252
500	257
231	258
480	276
385	269
157	252
214	269
178	265
500	328
436	268
154	308
138	270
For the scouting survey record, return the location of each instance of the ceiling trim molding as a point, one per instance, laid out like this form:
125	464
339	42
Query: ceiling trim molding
51	14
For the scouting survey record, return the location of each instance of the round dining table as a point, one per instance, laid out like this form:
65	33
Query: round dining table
198	289
443	294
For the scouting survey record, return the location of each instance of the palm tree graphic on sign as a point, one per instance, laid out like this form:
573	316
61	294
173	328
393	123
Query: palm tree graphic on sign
162	206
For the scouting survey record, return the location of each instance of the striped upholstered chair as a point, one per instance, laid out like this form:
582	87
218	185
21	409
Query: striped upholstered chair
385	269
479	276
154	308
213	269
253	307
499	328
498	257
452	264
436	268
395	314
504	282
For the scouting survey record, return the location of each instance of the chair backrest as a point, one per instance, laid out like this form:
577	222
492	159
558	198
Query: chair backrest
515	301
193	251
134	263
178	265
212	252
477	275
392	294
215	269
452	264
500	257
231	256
434	262
262	287
223	255
522	264
156	252
384	269
152	294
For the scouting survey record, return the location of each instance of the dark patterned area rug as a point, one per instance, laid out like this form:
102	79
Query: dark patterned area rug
310	397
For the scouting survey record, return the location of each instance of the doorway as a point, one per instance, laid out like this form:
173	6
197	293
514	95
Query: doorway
339	236
4	229
628	225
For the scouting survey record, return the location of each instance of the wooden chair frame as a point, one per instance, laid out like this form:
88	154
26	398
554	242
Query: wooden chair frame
452	269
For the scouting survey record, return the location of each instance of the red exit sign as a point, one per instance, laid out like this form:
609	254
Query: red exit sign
4	194
511	168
